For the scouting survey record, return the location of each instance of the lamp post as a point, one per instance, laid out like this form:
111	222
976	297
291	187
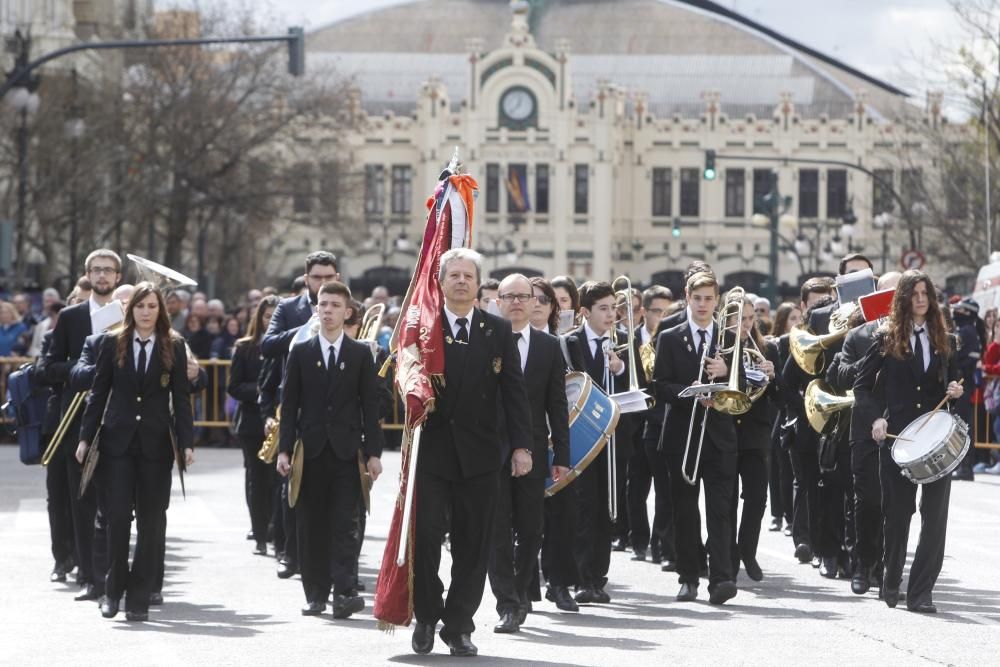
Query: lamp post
24	100
74	130
883	222
771	208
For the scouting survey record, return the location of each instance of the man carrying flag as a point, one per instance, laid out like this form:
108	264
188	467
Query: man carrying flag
449	480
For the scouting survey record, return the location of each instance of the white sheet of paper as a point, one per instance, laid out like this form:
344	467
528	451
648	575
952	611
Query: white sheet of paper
107	316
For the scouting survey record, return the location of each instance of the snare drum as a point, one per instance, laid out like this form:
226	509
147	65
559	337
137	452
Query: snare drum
927	452
593	416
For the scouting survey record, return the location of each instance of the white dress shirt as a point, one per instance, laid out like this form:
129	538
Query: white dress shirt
696	337
522	345
136	348
925	342
325	345
591	336
454	327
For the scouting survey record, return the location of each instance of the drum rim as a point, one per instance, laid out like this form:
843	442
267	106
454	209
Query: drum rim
588	386
898	445
947	470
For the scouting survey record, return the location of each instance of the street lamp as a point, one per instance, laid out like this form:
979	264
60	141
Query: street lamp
883	221
74	129
25	102
772	210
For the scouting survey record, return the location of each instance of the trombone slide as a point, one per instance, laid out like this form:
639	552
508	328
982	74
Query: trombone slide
57	437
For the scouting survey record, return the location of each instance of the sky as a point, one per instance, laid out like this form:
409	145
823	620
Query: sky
888	39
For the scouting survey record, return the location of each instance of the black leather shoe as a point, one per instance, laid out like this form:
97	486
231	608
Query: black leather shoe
89	593
816	561
687	593
668	565
586	596
137	616
655	554
250	535
890	596
861	581
360	587
155	599
601	596
721	592
922	608
775	525
59	571
618	544
803	553
753	569
313	608
560	595
522	615
461	645
345	605
109	607
639	554
828	567
423	638
286	569
787	531
508	624
260	549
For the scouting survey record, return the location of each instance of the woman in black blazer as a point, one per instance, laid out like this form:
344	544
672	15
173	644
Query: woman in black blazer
141	402
908	385
248	422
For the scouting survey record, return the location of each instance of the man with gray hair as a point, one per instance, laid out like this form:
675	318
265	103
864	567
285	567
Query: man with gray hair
461	454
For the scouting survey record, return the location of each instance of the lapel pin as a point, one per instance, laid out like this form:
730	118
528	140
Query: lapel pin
690	349
482	324
318	364
341	365
448	339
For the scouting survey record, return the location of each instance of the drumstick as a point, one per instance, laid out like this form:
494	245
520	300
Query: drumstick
936	408
897	437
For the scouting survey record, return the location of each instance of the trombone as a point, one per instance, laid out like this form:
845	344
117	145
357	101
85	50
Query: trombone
368	331
57	437
727	398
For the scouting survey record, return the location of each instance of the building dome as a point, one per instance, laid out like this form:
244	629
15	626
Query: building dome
670	51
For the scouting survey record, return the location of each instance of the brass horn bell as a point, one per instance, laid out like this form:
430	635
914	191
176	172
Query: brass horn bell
822	403
807	348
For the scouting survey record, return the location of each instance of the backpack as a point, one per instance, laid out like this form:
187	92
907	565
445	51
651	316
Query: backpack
27	399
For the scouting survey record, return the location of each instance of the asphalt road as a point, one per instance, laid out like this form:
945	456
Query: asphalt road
226	606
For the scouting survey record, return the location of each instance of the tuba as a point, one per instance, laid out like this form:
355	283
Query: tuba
822	403
807	348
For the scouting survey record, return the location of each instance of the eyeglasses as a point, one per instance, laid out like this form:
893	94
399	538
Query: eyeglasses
511	298
543	299
98	270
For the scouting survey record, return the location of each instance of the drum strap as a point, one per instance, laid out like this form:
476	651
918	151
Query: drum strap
565	352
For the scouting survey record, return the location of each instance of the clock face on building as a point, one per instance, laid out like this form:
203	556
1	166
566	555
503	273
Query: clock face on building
517	105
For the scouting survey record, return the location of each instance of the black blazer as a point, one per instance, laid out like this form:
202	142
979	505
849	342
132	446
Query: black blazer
677	366
336	408
139	411
243	373
843	372
908	390
545	381
68	336
81	377
670	321
290	314
462	437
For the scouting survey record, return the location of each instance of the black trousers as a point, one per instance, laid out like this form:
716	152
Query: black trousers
752	466
257	477
592	544
131	478
83	511
717	473
326	513
58	505
834	536
517	538
463	508
621	527
559	538
805	493
647	468
277	519
899	502
360	524
289	526
867	502
781	482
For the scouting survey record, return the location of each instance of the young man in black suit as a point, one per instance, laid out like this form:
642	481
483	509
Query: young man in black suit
679	353
517	535
291	315
590	351
103	267
330	401
461	454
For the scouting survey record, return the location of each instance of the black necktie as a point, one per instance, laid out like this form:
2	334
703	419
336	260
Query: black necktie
517	345
704	339
140	369
462	335
918	347
331	359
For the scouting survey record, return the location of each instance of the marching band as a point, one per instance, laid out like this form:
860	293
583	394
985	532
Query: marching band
557	408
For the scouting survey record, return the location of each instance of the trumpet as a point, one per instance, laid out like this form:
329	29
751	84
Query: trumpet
727	398
753	356
269	448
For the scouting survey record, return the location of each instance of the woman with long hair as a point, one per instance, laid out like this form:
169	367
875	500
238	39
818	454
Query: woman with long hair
248	423
141	403
786	317
544	314
913	358
567	296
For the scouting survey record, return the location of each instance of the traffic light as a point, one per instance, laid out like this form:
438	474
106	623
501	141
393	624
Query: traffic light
296	51
676	231
709	172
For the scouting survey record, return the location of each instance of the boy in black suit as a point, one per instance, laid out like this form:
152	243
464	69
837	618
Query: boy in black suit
520	506
591	351
679	353
330	402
